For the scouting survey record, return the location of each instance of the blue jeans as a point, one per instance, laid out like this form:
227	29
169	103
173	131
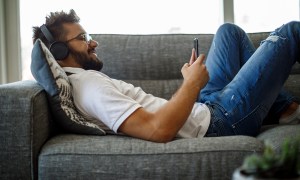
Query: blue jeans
246	83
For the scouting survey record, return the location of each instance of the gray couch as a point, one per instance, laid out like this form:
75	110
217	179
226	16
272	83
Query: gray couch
33	146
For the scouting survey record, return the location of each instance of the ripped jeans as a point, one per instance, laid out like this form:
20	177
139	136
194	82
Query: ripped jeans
246	83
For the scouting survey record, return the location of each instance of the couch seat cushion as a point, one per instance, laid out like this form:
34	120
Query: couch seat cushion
72	156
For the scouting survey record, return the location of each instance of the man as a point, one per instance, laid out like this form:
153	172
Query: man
232	82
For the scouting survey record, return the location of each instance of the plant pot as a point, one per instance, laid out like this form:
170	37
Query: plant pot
240	175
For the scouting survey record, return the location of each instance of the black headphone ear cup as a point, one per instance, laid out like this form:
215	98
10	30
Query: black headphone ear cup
59	50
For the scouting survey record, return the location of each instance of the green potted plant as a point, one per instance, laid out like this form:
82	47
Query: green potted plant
282	165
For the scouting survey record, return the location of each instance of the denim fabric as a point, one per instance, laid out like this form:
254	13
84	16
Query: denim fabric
245	84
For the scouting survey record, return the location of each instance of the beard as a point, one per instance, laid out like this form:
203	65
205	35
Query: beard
87	62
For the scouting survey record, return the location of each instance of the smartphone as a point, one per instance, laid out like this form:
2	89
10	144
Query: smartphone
196	47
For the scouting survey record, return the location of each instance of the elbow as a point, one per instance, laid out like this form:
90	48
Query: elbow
166	140
162	140
162	136
161	133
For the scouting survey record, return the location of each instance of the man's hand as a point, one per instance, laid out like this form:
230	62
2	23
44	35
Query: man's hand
195	73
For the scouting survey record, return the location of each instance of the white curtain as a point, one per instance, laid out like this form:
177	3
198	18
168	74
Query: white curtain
10	45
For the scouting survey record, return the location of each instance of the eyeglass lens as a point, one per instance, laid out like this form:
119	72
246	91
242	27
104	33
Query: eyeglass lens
87	37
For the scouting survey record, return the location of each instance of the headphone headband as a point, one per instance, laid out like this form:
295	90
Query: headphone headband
58	49
47	34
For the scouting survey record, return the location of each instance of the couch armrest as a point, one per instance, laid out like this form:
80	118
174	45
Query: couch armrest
24	127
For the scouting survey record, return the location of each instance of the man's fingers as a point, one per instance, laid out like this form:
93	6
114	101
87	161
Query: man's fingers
201	58
193	57
186	65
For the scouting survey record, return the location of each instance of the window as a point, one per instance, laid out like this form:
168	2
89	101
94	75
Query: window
154	17
123	17
264	15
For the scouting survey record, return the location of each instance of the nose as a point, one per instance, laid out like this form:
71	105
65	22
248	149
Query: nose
93	43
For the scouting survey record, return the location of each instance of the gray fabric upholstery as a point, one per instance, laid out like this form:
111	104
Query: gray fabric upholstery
147	56
152	62
24	127
292	84
152	56
276	135
117	157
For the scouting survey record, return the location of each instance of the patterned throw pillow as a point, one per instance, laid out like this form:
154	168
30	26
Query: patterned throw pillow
54	80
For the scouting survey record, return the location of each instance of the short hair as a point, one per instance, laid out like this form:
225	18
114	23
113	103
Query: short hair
54	23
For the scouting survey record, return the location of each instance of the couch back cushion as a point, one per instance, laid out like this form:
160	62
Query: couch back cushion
148	57
153	62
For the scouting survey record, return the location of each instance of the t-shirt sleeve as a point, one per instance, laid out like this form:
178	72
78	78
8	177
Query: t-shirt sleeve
99	98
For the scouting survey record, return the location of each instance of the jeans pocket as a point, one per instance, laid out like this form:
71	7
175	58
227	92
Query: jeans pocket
218	123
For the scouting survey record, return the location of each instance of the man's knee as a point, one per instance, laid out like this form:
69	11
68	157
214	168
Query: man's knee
230	28
293	26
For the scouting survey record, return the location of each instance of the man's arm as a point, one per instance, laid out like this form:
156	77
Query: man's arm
163	125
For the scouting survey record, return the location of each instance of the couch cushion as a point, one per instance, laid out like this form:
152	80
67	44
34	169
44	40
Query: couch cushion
147	57
24	127
154	61
292	84
276	135
152	57
122	157
54	80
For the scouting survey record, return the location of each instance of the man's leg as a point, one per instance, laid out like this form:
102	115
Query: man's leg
230	50
246	100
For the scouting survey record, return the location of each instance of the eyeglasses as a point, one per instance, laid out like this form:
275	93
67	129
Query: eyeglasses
82	37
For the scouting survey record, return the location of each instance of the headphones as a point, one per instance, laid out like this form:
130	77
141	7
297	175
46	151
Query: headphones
59	49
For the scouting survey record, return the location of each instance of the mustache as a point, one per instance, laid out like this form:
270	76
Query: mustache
92	50
85	61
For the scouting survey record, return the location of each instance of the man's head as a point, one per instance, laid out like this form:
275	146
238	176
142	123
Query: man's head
65	29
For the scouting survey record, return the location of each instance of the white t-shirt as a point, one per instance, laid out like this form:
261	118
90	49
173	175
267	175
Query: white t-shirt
111	101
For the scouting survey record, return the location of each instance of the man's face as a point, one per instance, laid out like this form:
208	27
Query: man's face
85	60
82	49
